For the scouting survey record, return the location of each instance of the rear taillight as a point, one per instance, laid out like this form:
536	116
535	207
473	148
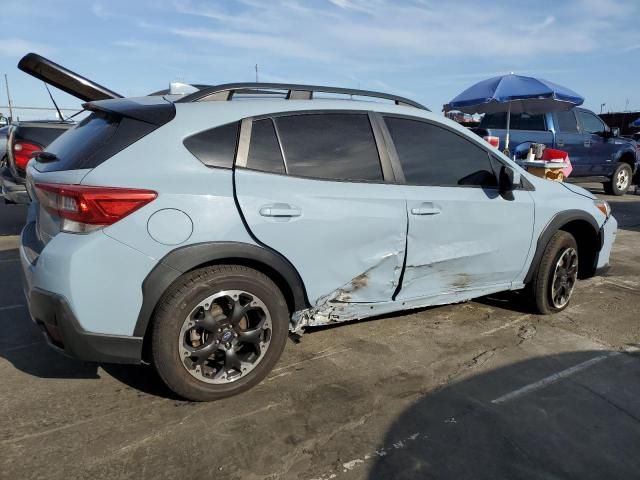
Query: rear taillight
84	209
22	152
493	141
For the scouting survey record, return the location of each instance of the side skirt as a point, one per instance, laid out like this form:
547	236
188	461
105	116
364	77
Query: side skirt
332	312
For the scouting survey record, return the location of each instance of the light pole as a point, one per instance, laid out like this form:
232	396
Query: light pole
601	107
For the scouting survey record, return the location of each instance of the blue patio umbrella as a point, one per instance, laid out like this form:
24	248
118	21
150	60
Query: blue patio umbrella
517	94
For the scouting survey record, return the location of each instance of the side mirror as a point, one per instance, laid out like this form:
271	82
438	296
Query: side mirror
615	132
508	180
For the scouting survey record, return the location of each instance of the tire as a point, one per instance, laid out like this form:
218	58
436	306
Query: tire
201	348
620	180
562	245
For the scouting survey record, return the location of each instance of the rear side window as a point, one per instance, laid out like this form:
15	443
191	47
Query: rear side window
519	121
567	122
333	146
264	149
215	147
94	140
432	155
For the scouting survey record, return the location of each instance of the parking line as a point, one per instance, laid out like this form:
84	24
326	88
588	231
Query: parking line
317	357
7	260
506	325
553	378
20	347
11	307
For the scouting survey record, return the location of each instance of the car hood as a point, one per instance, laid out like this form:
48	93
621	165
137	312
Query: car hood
64	79
579	190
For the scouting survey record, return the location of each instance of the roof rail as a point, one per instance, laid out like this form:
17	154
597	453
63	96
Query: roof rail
294	92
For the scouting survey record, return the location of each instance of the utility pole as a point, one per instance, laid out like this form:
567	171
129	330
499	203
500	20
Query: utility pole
602	107
6	82
256	73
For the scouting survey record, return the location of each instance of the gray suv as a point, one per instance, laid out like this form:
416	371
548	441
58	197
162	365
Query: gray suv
196	232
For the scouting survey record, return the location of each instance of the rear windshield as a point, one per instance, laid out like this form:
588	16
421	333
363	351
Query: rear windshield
94	140
519	121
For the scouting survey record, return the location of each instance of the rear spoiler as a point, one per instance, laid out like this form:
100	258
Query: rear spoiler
64	79
154	112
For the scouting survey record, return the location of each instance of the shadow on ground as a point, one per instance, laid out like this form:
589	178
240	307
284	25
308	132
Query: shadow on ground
583	423
12	219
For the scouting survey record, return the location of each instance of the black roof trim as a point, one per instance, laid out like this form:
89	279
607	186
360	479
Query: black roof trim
294	91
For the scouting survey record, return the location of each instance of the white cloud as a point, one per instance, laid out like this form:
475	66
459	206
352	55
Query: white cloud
17	47
362	31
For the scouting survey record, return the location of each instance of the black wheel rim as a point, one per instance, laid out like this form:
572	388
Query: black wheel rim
225	336
565	276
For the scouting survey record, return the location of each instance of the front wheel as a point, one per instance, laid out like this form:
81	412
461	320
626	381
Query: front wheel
557	274
620	180
219	331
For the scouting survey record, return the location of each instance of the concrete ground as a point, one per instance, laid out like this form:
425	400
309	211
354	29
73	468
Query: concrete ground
483	389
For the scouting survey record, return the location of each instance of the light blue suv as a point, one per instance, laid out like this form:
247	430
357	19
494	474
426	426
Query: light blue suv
195	232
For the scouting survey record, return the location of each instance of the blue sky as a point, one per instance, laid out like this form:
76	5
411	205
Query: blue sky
423	49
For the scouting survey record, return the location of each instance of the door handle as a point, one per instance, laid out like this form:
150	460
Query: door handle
587	143
280	210
426	208
560	143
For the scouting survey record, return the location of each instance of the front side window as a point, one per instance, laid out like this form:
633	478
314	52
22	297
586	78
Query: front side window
333	146
432	155
567	122
591	123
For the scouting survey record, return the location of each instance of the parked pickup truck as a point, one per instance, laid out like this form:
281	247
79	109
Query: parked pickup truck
20	140
597	152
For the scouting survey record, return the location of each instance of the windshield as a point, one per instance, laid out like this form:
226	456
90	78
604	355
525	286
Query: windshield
519	121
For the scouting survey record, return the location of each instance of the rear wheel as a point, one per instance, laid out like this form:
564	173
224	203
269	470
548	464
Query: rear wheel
557	274
219	331
620	180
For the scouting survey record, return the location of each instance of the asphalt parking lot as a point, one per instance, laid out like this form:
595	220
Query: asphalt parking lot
483	389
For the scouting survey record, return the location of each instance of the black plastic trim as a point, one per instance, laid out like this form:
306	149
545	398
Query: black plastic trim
555	224
294	91
183	259
52	314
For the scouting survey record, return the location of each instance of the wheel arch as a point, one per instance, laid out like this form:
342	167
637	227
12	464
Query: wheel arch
584	229
188	258
629	158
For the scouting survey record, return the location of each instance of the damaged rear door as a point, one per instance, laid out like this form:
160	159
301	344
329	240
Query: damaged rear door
463	235
312	187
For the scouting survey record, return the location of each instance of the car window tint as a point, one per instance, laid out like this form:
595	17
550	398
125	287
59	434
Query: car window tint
330	146
567	122
519	121
215	147
432	155
591	123
264	149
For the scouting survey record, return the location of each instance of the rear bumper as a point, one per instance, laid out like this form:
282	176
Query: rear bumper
52	314
76	328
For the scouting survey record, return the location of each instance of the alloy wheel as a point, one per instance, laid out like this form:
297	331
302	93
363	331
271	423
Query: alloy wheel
225	336
564	277
622	179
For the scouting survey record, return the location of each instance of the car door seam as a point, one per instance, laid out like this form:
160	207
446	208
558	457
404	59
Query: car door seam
404	261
